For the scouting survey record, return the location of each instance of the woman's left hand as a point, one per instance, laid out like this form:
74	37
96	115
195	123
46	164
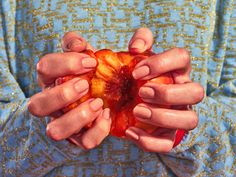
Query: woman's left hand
180	95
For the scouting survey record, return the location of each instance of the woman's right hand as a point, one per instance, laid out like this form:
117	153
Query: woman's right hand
52	99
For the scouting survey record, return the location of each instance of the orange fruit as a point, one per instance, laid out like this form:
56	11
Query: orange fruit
113	82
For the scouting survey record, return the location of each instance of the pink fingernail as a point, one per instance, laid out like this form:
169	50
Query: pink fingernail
138	44
142	112
74	43
106	114
89	62
96	104
81	85
69	43
131	134
141	72
146	92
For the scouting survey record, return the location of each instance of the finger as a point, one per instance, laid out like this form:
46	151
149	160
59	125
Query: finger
96	134
141	41
172	94
51	100
176	59
55	65
73	121
73	42
56	114
168	118
160	141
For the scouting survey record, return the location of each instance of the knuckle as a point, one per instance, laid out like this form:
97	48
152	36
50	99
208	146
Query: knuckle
73	63
85	115
159	64
165	94
70	63
63	95
162	120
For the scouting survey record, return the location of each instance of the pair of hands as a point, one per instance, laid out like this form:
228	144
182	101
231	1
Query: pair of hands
49	102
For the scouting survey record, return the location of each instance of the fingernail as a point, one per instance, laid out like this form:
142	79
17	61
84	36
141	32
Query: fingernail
142	112
106	113
89	62
131	134
74	43
81	85
146	92
96	104
141	72
138	44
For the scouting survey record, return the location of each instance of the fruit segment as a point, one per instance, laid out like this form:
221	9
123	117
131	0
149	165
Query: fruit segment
113	82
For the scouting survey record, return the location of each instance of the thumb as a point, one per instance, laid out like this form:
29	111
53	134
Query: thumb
141	41
73	42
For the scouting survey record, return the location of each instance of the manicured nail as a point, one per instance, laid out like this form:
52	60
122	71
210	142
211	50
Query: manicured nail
142	112
106	114
74	43
141	72
89	62
81	85
131	134
146	92
138	44
96	104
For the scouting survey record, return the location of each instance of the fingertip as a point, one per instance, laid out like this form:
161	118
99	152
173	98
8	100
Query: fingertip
96	104
73	42
52	133
138	46
89	62
141	41
142	112
106	114
34	109
141	72
132	134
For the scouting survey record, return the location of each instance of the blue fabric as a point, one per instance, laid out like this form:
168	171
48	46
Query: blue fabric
30	29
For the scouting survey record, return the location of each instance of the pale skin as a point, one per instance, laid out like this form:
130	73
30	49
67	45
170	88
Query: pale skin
49	102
